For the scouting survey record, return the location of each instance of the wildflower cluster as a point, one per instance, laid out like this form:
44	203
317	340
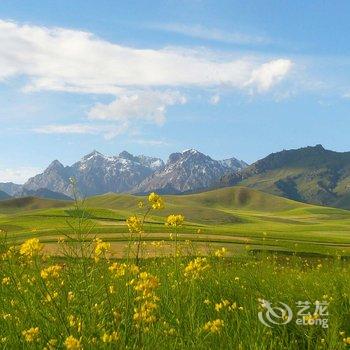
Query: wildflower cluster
121	269
145	287
101	248
156	201
72	343
135	224
214	326
227	305
31	248
196	267
221	253
51	272
31	335
175	220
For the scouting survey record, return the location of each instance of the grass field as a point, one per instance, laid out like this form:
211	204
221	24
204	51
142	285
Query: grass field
81	276
238	217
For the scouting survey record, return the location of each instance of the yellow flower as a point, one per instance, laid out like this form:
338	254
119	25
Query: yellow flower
134	224
119	270
174	220
145	286
6	281
101	248
110	337
31	335
347	340
50	297
51	272
31	247
70	296
144	313
72	343
146	283
220	253
51	344
196	267
156	201
214	326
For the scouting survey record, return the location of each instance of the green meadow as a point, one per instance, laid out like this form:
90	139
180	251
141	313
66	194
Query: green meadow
83	275
240	218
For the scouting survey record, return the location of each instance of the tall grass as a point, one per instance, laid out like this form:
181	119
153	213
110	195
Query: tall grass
86	299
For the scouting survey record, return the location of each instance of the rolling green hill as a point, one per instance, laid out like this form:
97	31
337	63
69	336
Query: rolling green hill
234	217
312	175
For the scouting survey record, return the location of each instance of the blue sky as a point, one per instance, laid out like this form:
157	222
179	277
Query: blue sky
228	78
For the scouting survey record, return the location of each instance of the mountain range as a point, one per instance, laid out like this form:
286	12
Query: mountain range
97	174
310	174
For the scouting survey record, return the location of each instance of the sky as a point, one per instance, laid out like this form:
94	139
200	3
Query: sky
229	78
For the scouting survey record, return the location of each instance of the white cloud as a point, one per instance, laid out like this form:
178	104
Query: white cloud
19	175
215	99
200	32
109	131
268	74
149	106
75	61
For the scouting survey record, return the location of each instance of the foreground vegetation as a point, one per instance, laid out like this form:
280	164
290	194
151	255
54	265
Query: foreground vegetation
88	296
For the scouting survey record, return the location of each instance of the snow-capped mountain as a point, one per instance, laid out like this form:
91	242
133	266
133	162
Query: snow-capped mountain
10	188
188	171
97	174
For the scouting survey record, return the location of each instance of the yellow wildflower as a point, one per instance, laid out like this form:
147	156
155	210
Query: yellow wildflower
72	343
146	283
70	296
31	335
346	340
144	313
51	344
134	224
101	248
51	272
6	281
110	337
220	253
196	267
214	326
174	220
120	270
156	201
31	247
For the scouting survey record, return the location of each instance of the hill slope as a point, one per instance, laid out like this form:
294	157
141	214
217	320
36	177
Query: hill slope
312	175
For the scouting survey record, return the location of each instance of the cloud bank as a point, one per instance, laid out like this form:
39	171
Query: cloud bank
76	61
145	82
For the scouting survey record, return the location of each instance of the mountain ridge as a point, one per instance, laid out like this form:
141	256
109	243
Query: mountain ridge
96	173
309	174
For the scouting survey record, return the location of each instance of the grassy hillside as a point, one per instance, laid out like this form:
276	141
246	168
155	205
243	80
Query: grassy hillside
240	217
311	174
